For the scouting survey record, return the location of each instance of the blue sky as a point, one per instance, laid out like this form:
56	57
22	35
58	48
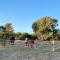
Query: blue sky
22	13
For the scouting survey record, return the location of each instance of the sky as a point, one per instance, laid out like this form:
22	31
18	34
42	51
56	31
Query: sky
22	13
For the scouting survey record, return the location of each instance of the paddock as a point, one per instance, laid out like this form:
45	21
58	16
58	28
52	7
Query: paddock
42	50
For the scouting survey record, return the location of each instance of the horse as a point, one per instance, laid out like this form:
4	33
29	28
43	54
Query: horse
30	42
12	40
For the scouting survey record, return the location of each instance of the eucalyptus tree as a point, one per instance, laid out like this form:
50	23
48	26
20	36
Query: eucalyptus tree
45	28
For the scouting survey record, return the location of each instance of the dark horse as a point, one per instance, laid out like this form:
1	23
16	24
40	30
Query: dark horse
12	39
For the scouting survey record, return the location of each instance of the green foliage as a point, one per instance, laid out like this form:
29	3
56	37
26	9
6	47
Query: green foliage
2	34
5	32
24	35
17	35
35	26
8	27
46	28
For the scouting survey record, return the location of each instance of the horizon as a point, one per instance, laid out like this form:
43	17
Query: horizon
22	13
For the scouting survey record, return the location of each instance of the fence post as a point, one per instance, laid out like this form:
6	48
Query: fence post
51	50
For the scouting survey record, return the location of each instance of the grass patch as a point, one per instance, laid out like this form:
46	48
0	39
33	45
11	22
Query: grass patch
18	51
57	50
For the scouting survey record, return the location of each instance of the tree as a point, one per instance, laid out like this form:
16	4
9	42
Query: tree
2	34
35	26
45	27
5	32
58	35
8	27
9	30
17	35
24	35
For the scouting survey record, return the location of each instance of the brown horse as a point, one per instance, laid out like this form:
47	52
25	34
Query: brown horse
30	42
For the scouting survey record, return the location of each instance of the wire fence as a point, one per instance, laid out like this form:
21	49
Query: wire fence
42	50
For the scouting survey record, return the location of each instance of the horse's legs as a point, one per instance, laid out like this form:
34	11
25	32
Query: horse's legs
12	42
31	45
26	43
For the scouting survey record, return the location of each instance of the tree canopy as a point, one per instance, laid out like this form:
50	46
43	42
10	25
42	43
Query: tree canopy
45	27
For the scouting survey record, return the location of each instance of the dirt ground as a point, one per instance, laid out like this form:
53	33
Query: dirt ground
19	52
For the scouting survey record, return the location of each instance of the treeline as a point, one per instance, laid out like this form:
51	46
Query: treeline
43	29
7	30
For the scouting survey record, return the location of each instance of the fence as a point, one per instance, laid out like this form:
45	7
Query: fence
42	50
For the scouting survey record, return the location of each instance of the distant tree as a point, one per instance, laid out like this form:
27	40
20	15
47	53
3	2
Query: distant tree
17	35
2	34
45	28
9	29
24	35
5	32
35	26
58	35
